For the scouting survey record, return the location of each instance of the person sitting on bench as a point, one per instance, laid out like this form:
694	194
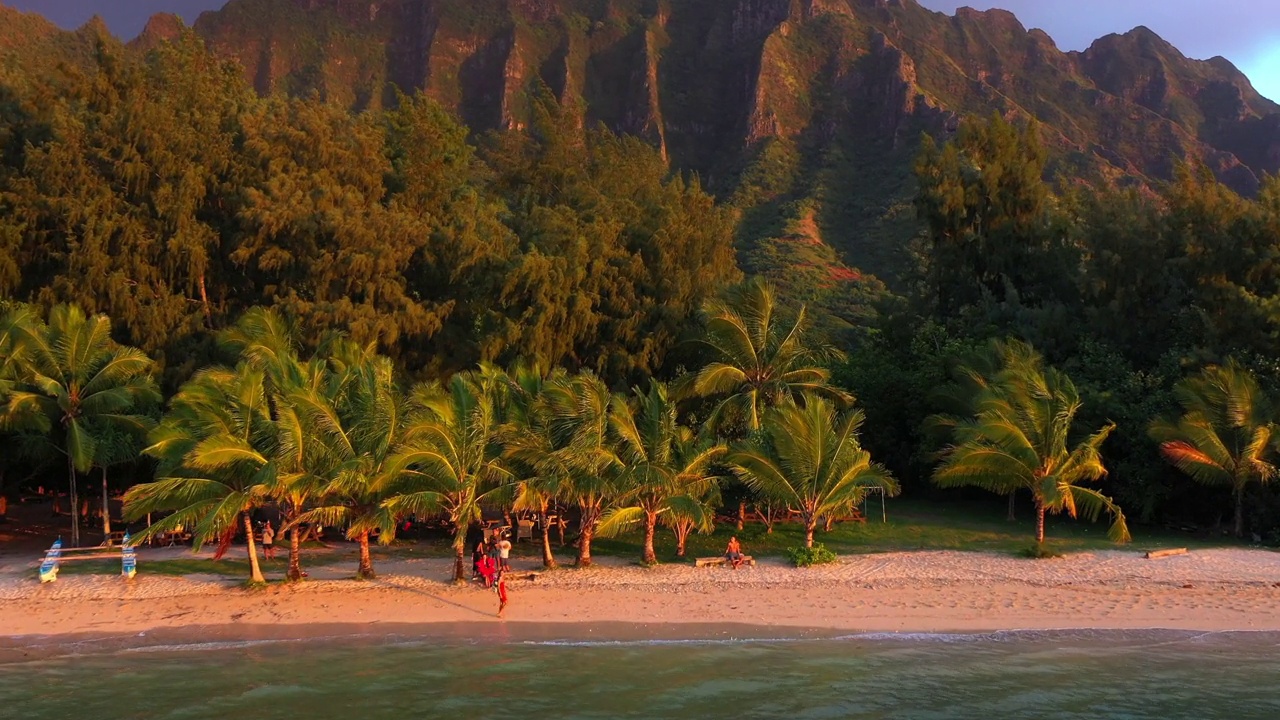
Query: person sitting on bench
733	553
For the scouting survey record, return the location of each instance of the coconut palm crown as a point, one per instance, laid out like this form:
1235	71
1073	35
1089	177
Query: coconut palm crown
808	457
666	467
762	358
1017	437
1225	435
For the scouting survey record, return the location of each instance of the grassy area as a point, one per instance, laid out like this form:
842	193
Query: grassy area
911	525
915	526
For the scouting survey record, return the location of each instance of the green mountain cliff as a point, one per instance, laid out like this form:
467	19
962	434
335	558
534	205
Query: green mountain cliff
805	114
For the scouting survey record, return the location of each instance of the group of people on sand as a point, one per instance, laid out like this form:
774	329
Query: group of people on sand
490	560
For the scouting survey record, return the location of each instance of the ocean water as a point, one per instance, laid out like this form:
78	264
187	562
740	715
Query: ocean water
1006	675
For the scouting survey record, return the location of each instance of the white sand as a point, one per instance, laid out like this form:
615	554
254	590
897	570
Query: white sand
1212	590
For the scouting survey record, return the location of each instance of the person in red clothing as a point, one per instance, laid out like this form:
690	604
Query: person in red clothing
501	587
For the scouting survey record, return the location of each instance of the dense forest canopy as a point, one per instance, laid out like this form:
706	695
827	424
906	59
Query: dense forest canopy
162	191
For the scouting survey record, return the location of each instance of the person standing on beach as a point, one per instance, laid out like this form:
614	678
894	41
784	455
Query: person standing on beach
268	542
504	553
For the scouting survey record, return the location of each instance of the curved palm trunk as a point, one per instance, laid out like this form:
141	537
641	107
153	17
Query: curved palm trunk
295	555
365	572
255	571
459	565
742	514
588	531
1039	522
810	527
74	502
682	530
548	558
1012	496
106	509
649	557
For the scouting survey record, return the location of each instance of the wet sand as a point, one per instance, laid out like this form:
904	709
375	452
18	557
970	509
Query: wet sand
1209	590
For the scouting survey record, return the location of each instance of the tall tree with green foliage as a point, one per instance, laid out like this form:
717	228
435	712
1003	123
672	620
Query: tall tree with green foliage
452	458
535	444
1225	435
808	457
762	357
617	254
215	450
74	378
990	217
361	421
265	341
581	409
666	467
1018	436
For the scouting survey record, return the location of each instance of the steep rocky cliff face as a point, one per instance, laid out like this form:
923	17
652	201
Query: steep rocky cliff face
802	110
805	113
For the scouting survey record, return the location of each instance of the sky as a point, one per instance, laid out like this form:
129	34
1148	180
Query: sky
1246	32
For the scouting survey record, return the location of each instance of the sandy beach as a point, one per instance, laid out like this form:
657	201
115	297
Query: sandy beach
1208	590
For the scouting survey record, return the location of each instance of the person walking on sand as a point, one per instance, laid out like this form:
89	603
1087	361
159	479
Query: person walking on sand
500	585
733	553
268	542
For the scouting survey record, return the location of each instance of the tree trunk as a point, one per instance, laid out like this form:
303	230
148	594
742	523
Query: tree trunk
74	503
1039	522
828	522
1240	511
548	558
810	527
294	573
584	547
365	571
459	547
587	530
255	571
682	530
742	514
204	300
106	509
649	557
1012	497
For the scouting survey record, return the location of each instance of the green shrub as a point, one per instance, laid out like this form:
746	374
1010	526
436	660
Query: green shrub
805	556
1040	552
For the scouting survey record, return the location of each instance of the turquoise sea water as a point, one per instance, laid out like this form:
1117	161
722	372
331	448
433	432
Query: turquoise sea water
1007	675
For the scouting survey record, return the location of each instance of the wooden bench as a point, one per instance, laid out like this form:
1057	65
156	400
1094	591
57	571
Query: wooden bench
720	561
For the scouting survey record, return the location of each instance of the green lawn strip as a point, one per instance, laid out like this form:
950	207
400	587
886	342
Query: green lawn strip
911	525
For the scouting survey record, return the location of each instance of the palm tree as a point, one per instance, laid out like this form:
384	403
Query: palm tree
1017	437
263	340
1225	435
532	448
666	467
73	378
579	410
688	513
14	321
216	447
360	419
809	458
762	359
452	459
971	377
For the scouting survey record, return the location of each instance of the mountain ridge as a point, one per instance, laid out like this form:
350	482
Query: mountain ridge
803	113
